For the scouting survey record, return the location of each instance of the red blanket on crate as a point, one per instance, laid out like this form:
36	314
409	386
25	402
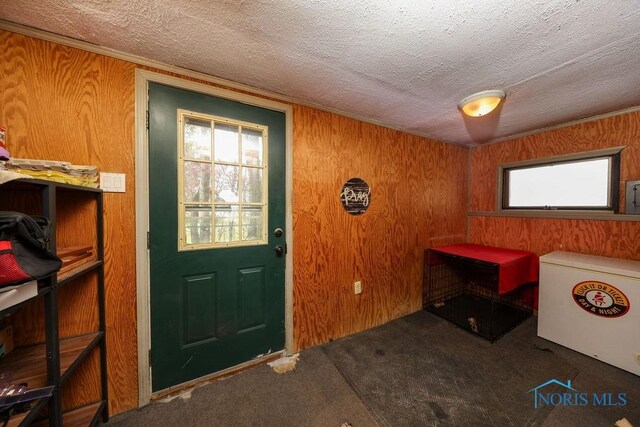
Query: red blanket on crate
516	267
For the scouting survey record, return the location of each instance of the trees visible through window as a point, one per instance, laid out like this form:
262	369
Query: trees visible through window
223	198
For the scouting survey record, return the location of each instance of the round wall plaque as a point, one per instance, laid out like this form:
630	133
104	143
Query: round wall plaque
355	196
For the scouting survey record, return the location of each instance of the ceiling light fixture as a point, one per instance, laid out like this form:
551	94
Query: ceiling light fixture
481	103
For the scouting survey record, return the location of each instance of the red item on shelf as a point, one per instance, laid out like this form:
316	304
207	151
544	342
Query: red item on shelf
4	154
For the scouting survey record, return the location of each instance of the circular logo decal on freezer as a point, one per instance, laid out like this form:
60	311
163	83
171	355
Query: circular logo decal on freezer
600	299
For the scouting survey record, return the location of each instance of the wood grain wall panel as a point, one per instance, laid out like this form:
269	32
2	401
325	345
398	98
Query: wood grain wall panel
60	103
66	104
28	324
619	239
606	238
623	130
418	198
76	211
82	295
28	202
83	386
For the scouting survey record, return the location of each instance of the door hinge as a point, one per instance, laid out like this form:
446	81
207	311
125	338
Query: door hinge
285	249
148	240
149	357
147	119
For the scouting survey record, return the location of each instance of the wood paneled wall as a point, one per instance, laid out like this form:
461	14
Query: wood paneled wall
418	200
619	239
66	104
606	238
60	103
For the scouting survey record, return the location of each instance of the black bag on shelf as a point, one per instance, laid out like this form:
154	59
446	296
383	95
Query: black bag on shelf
24	249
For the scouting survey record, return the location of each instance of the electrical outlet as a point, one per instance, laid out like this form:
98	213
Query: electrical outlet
357	287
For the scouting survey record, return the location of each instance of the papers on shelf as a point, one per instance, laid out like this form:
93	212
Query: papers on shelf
64	172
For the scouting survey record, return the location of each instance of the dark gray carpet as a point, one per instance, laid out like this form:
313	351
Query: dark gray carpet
416	371
421	370
315	394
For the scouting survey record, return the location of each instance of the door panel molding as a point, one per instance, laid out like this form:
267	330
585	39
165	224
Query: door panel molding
142	80
192	330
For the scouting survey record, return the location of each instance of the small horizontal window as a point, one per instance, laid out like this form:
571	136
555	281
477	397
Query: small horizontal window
585	182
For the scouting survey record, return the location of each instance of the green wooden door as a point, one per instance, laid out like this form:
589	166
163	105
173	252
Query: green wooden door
217	198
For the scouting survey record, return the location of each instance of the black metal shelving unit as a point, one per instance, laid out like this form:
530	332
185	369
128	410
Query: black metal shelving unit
43	363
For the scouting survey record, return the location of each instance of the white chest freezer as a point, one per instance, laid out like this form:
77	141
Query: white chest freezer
591	304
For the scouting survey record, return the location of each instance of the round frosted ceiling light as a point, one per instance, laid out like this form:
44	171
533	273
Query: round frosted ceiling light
481	103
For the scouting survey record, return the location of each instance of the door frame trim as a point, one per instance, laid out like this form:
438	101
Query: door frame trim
142	80
180	388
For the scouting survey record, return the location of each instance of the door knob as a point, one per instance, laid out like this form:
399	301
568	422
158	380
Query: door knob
279	250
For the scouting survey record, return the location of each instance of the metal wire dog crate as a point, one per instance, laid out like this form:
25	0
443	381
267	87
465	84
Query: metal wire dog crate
464	291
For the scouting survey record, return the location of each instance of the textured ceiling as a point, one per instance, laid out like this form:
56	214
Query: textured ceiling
403	63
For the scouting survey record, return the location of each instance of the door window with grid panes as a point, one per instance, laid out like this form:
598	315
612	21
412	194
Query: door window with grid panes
223	188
